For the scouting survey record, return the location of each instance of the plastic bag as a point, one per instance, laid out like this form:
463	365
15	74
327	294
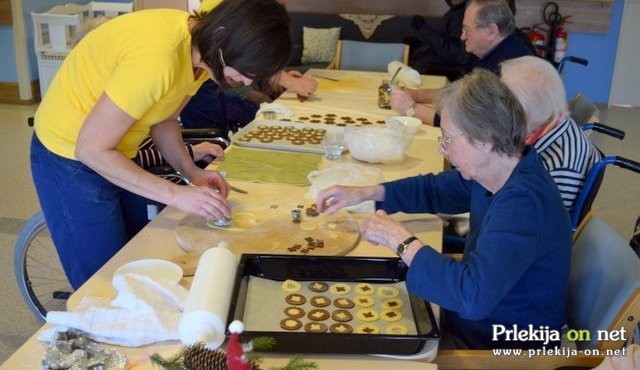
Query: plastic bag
407	76
375	144
350	174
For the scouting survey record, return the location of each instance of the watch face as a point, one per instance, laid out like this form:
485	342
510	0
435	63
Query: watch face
401	249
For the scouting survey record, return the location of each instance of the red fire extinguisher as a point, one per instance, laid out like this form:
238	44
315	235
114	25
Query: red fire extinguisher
560	49
537	40
561	39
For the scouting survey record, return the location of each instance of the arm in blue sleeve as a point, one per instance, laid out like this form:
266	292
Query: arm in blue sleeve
508	243
446	192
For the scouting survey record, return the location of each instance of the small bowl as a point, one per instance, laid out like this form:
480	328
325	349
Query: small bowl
156	269
409	125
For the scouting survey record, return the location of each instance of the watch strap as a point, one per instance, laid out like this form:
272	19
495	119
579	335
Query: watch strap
402	247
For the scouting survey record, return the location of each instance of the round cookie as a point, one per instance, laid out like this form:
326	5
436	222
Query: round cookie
341	316
392	304
367	315
365	289
294	312
318	314
291	286
318	286
320	301
363	301
396	329
388	292
315	327
341	328
343	302
340	288
295	299
290	324
391	315
367	329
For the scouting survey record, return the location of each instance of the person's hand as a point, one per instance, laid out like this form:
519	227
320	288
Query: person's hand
334	198
207	200
401	101
211	179
298	83
380	228
206	151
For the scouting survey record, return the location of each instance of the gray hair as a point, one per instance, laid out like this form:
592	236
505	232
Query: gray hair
538	87
486	111
495	11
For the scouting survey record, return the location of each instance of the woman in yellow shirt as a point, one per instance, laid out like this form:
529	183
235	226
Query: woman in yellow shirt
125	80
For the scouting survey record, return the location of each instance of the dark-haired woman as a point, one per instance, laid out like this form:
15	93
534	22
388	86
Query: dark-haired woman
125	80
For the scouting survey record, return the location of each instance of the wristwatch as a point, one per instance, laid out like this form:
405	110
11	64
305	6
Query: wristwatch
402	247
411	111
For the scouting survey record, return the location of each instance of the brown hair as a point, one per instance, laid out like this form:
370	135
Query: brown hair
253	36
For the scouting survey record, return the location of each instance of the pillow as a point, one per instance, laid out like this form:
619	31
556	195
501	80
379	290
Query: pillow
319	44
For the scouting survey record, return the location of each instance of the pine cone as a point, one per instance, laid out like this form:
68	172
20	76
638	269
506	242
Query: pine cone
200	358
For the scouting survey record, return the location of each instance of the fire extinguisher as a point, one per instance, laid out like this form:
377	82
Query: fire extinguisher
537	40
561	40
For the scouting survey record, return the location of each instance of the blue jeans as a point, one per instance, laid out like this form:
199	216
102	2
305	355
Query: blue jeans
89	218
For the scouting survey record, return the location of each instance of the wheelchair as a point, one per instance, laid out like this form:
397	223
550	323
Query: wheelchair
39	274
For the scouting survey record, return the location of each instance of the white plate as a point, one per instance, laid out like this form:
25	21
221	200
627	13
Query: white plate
156	269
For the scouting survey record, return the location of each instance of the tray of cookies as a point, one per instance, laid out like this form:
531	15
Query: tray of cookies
282	135
324	304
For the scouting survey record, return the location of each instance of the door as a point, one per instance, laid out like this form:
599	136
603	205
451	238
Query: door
626	78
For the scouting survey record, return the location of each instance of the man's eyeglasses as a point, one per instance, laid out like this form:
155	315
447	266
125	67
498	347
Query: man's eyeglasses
446	140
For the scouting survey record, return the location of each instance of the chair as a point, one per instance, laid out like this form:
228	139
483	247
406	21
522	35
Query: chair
368	56
604	294
604	285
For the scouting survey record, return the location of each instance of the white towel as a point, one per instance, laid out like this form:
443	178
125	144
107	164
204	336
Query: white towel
144	311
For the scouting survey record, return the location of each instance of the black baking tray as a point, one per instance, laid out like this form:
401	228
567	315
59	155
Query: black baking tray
346	269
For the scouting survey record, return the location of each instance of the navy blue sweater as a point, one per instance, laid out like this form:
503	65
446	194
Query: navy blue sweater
516	263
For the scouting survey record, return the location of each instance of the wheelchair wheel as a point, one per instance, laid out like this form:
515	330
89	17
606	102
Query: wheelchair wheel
39	273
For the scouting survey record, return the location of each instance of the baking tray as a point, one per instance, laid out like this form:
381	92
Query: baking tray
282	144
335	269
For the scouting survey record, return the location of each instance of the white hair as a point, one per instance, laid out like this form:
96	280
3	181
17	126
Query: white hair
538	87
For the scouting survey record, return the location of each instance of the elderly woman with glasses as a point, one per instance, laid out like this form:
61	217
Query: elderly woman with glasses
127	79
515	267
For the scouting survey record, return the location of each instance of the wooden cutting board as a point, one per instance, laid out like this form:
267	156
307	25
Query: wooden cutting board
268	229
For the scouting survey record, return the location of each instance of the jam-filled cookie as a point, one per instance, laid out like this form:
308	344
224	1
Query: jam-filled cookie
341	328
363	301
318	314
343	303
340	288
318	286
341	315
367	329
367	315
294	312
315	327
295	299
290	324
391	315
320	301
392	304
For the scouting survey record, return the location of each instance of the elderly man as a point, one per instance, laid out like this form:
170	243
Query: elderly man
488	32
565	151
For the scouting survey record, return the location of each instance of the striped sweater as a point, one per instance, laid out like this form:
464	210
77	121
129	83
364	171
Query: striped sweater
568	155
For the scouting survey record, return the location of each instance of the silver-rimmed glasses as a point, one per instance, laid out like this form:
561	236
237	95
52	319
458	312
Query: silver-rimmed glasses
445	140
221	58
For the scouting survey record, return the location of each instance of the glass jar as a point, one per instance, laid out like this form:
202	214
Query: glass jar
384	95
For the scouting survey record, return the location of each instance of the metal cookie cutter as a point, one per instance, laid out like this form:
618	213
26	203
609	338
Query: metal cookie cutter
223	222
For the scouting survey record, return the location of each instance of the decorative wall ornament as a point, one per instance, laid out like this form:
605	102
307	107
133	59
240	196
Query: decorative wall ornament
366	22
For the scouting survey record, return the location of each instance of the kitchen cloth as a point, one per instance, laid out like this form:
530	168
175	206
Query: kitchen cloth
144	311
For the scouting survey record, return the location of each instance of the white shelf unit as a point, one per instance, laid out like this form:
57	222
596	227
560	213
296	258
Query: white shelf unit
55	29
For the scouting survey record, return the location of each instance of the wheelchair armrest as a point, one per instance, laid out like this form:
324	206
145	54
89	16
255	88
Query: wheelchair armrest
198	135
604	129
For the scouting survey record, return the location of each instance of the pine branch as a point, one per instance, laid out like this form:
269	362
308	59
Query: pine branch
173	363
297	363
263	343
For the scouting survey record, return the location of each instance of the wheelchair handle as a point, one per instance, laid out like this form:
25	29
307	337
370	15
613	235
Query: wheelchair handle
578	60
628	164
604	129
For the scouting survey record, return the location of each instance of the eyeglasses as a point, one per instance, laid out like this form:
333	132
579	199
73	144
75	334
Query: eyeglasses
446	140
221	58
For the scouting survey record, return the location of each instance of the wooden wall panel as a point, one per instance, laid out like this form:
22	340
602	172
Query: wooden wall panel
5	12
586	15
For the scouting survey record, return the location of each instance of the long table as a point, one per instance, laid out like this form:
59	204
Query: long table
355	93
